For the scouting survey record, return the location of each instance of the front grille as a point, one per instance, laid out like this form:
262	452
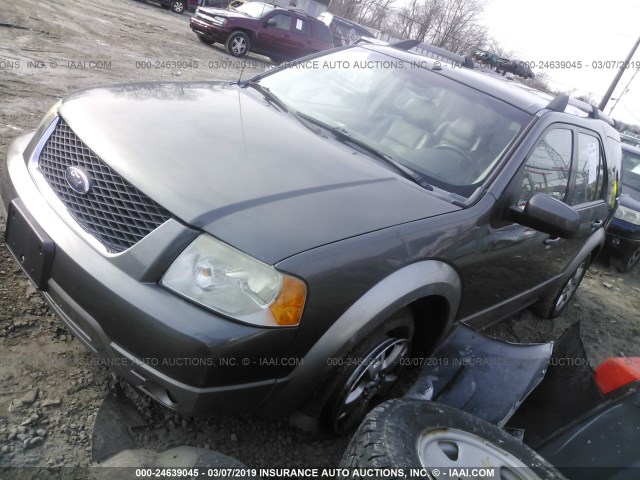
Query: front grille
113	211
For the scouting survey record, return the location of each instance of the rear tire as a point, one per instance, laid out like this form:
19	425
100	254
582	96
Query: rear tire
178	6
552	307
410	433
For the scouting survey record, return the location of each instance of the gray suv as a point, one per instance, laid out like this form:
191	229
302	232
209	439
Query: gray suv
325	221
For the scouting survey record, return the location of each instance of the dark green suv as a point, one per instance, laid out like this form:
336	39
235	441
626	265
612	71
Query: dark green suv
322	220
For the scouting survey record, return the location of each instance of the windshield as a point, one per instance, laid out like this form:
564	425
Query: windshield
451	135
630	169
254	9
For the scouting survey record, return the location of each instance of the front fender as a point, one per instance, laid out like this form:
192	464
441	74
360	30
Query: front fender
404	286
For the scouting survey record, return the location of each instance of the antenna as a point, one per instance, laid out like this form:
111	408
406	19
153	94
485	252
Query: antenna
244	63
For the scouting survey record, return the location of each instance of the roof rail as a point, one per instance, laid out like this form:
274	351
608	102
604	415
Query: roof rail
559	103
562	100
405	44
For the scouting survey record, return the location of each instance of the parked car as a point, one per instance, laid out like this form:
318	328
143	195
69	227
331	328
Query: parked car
343	31
623	234
262	28
178	6
324	219
215	3
517	67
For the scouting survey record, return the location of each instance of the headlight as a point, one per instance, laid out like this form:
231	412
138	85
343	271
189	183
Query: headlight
230	282
628	215
219	21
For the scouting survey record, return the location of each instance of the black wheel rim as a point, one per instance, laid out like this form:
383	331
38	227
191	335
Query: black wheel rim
374	376
571	286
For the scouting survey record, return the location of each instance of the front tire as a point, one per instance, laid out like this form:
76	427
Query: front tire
238	44
552	307
410	433
368	373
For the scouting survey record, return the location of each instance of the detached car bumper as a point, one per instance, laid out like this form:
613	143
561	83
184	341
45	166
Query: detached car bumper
182	355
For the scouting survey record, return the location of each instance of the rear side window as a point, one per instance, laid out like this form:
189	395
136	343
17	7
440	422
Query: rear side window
302	27
323	33
548	167
589	172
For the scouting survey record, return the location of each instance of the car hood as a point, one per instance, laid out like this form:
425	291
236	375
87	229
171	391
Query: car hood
222	159
221	12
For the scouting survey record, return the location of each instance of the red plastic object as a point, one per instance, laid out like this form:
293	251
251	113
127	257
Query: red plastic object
616	372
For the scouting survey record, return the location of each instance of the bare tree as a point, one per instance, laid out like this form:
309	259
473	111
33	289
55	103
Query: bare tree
450	24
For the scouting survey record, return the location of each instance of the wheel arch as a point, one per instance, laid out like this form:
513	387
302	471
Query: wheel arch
420	286
249	33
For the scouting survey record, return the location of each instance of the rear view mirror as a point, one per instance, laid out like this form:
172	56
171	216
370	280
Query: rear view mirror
271	22
548	215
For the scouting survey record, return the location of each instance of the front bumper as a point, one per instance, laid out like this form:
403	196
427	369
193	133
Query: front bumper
182	355
208	31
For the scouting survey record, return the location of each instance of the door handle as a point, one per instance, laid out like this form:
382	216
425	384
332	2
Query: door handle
552	240
597	224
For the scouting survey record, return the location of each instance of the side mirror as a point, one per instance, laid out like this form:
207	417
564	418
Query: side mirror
548	215
271	22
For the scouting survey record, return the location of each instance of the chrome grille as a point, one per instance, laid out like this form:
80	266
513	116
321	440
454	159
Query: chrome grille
113	211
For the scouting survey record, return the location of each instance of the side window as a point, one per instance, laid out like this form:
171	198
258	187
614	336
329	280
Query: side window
323	33
590	170
283	21
547	168
302	27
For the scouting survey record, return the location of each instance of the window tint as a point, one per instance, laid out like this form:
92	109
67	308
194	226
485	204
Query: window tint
590	170
547	169
283	21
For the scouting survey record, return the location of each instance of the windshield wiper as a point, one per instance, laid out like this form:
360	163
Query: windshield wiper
267	94
343	135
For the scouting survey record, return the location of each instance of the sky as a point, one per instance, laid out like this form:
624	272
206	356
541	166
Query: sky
589	31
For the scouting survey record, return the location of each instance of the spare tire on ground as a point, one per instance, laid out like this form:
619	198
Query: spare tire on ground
427	436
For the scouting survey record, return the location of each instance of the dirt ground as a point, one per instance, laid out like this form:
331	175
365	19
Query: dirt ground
50	390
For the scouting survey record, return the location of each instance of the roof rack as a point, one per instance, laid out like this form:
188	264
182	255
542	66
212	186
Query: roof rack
405	44
562	100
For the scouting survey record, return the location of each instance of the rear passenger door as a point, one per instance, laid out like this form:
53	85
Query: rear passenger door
302	37
587	193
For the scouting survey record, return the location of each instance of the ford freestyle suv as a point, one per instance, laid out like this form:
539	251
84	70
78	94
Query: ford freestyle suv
262	28
623	234
354	207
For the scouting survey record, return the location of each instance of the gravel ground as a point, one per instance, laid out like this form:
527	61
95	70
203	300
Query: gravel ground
50	388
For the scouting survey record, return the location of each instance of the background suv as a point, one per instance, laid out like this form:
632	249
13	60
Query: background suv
343	218
262	28
623	234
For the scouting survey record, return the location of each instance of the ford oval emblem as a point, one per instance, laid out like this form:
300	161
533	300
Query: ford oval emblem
78	180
